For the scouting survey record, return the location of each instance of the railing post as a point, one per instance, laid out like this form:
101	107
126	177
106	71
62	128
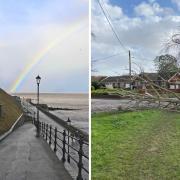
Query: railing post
50	135
40	128
43	129
68	155
34	118
80	163
55	139
64	147
46	132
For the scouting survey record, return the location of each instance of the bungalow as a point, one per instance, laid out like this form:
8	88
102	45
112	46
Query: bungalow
117	82
141	81
174	83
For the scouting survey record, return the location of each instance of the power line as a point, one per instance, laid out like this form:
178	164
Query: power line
110	24
105	58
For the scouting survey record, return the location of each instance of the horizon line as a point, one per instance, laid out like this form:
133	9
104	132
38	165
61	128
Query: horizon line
50	92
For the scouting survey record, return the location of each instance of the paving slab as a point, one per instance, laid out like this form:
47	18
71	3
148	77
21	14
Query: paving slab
23	156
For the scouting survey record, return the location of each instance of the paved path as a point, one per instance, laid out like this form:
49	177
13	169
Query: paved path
71	167
24	157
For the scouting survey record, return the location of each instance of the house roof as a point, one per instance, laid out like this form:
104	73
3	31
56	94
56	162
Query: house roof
97	78
124	78
145	75
151	76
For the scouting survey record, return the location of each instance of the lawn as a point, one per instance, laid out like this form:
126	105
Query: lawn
142	145
10	111
110	91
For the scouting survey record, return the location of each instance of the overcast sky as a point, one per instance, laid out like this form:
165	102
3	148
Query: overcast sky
142	26
28	27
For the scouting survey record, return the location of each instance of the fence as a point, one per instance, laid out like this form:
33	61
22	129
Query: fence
62	142
61	122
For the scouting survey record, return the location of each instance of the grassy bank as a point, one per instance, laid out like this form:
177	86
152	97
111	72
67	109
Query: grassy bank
10	111
102	91
136	145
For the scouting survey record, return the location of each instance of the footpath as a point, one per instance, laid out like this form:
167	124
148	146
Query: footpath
23	156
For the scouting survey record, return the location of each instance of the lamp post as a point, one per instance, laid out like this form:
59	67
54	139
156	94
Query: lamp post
68	123
38	79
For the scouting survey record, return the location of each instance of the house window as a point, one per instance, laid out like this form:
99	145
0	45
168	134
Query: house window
127	86
172	86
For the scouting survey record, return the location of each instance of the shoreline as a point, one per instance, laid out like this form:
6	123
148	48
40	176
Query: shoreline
53	93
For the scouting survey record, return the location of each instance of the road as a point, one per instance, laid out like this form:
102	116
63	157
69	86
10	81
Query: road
25	157
108	105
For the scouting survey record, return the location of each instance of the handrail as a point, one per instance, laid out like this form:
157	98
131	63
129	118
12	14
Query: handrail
61	122
52	137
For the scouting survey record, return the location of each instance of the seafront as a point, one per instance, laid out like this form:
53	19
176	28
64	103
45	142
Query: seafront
23	155
74	106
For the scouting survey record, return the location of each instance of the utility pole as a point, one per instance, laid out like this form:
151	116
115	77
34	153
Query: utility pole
129	64
130	69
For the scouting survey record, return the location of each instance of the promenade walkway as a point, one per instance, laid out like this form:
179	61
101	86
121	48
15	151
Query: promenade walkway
25	157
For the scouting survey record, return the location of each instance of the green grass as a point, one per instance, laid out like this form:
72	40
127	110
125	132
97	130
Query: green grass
117	91
108	91
10	111
142	145
102	91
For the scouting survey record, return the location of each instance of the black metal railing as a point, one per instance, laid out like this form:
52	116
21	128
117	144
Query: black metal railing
62	142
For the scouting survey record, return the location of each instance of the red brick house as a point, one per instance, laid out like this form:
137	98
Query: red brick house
174	83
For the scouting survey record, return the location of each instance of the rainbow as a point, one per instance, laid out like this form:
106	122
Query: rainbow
77	26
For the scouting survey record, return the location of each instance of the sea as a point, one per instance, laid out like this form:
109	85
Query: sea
79	116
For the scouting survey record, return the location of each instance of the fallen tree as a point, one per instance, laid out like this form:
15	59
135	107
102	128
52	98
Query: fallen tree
154	96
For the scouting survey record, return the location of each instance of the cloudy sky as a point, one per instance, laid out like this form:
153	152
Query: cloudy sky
143	26
53	35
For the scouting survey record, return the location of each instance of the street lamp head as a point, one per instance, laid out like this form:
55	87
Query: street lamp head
38	79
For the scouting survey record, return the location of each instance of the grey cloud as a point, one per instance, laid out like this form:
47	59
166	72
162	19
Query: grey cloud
144	36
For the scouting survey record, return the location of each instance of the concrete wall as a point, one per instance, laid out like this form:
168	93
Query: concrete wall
63	123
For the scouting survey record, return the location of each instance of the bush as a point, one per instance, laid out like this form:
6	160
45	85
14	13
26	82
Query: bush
96	84
92	88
